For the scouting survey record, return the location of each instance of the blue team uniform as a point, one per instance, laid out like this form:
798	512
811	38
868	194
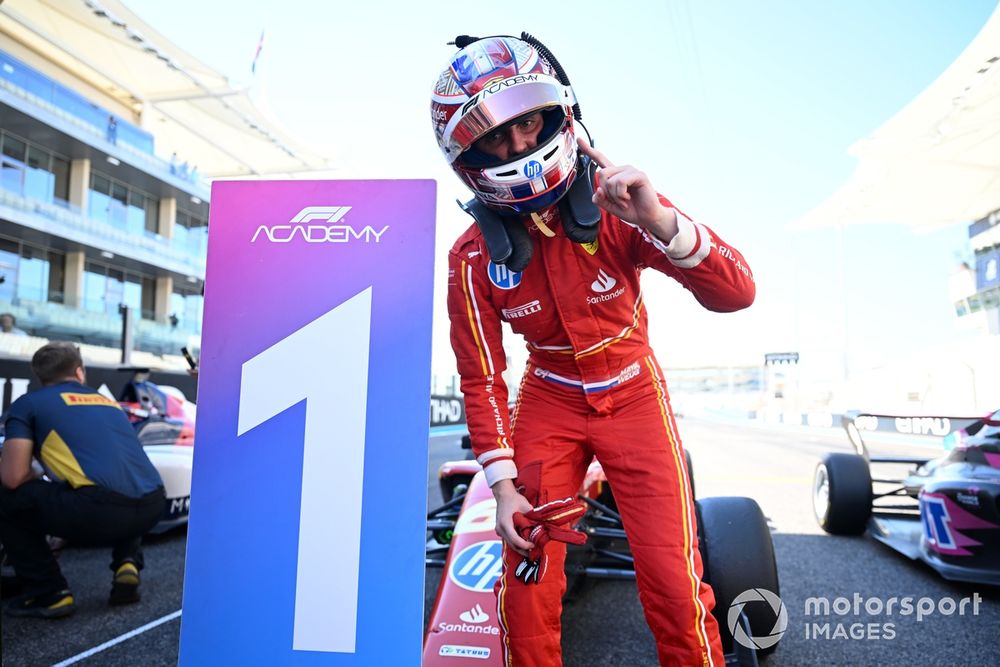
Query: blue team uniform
83	438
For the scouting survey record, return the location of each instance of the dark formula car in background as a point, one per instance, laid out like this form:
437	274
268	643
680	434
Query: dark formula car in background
945	511
735	544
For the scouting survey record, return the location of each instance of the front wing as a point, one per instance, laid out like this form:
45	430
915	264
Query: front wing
905	535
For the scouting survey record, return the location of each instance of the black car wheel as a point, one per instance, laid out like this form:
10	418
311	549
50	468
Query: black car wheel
842	494
738	558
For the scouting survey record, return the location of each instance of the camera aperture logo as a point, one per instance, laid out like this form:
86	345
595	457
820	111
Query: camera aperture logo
319	224
738	631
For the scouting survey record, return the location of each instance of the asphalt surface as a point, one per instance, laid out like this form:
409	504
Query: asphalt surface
604	624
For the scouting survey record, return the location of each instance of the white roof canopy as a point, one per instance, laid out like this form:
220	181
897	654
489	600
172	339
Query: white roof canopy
189	107
937	161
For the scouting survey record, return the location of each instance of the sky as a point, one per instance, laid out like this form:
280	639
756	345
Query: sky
740	112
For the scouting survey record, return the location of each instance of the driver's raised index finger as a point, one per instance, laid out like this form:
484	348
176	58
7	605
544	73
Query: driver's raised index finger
597	156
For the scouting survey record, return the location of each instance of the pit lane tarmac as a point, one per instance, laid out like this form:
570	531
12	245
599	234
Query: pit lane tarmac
603	625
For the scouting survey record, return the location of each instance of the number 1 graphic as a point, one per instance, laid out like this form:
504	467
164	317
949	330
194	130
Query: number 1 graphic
324	363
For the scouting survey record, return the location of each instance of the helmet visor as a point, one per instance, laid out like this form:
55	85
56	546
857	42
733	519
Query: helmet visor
551	120
500	103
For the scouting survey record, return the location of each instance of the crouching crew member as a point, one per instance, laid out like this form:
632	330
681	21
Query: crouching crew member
103	490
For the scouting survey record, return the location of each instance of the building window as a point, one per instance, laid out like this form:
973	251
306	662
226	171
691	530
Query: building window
10	257
140	295
57	277
60	183
95	288
33	276
186	310
191	233
30	273
14	152
106	288
126	208
34	172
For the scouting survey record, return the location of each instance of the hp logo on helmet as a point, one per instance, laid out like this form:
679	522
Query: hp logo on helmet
533	169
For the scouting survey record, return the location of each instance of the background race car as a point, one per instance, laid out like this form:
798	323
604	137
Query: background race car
945	511
164	421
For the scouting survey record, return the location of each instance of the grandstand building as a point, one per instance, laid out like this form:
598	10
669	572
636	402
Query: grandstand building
976	290
109	135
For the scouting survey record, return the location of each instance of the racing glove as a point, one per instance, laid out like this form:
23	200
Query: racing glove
541	525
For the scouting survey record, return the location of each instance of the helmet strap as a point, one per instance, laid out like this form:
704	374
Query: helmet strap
507	240
580	215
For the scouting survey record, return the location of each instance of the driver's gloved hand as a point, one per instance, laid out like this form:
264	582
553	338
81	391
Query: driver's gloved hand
551	521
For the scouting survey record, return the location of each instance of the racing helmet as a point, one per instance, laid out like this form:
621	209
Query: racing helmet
487	85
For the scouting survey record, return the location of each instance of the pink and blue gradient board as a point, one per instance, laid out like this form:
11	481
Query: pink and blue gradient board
306	537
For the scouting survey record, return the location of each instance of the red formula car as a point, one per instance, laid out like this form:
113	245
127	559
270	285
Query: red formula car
734	539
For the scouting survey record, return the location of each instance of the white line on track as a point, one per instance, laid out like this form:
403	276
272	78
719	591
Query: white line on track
119	639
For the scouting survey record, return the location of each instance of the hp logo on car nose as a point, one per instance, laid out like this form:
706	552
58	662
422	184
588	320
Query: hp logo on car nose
478	566
533	169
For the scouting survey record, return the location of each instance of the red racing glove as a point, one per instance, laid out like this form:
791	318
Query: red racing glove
551	521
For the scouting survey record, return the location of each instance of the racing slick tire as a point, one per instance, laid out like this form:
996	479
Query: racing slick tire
842	494
738	556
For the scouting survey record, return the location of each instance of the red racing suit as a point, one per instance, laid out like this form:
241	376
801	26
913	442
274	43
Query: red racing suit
592	387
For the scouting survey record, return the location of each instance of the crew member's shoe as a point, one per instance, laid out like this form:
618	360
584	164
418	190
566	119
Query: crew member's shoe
49	605
125	586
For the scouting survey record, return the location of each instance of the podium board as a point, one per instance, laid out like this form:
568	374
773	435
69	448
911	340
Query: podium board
307	530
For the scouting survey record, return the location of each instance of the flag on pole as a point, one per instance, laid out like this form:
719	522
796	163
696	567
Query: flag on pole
256	55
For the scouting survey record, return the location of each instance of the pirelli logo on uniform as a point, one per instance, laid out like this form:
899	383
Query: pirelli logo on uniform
521	311
88	399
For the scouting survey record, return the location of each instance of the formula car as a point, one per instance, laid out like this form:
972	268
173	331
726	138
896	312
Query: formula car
734	540
945	511
164	421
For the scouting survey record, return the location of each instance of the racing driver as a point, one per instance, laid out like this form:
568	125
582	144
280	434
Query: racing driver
503	116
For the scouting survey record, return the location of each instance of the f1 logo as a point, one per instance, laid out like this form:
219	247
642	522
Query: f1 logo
329	214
